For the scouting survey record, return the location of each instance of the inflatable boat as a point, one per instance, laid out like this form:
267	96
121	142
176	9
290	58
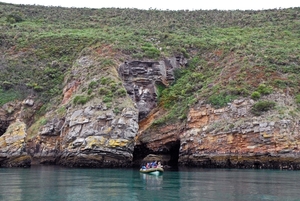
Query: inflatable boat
154	171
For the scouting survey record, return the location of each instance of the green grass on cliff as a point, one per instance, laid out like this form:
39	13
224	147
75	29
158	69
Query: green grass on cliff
8	95
230	52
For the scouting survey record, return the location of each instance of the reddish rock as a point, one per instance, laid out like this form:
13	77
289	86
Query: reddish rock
69	90
228	137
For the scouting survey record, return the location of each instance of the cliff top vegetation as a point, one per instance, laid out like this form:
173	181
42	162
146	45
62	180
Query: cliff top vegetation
231	53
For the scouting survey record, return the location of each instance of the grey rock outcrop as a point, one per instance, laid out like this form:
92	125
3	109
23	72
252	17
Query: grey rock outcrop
141	77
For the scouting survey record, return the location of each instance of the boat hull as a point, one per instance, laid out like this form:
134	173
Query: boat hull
154	171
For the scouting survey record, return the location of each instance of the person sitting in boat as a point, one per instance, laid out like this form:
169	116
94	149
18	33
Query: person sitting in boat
159	165
147	166
154	164
143	167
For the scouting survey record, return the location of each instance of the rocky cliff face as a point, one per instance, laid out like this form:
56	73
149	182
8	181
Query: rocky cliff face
13	146
140	79
13	124
232	136
90	137
104	120
96	123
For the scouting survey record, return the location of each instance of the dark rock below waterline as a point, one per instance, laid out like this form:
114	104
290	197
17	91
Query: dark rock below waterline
22	161
245	162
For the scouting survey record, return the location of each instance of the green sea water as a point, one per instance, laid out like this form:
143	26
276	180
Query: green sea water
72	184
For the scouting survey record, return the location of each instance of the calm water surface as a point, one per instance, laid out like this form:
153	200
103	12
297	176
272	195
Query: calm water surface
56	183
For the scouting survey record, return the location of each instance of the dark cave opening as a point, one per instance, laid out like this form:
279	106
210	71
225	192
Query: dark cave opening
169	154
3	127
139	153
174	153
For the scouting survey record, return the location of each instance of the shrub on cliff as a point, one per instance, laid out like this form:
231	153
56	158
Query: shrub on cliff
107	99
150	51
220	100
80	100
93	84
121	92
104	91
255	95
262	106
264	89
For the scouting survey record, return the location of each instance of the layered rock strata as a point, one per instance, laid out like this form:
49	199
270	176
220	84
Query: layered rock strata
99	139
89	137
232	137
95	133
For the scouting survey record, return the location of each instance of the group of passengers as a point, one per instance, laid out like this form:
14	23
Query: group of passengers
154	164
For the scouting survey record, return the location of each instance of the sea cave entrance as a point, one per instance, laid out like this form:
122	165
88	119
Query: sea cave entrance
168	155
3	127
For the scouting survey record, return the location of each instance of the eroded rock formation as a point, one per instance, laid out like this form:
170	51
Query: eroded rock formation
13	132
140	79
13	146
